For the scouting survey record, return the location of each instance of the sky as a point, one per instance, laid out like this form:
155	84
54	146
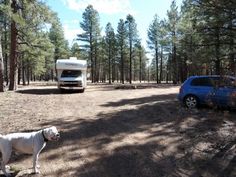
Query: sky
70	13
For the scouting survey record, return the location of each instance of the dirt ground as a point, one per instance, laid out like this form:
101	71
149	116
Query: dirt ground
109	132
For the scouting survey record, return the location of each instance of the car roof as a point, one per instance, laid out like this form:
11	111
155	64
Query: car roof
203	76
190	78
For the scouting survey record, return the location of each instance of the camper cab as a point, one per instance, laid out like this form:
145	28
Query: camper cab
71	74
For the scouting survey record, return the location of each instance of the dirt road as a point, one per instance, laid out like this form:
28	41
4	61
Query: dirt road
108	132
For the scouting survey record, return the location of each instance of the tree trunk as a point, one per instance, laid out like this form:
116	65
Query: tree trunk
122	67
23	72
174	66
217	53
113	70
156	55
19	72
161	64
13	54
130	63
109	64
231	47
91	56
96	70
140	67
52	74
5	49
1	68
169	68
232	60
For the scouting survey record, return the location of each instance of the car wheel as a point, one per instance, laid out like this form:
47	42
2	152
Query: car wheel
62	90
81	91
191	101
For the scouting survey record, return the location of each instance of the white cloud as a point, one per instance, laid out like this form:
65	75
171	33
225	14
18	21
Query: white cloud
71	33
102	6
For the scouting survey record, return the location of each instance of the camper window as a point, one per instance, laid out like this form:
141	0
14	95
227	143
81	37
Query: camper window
71	73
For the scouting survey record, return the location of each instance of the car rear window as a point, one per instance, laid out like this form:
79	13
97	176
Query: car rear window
204	81
226	82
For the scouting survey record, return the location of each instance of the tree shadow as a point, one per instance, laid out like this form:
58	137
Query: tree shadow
47	91
125	121
56	91
156	138
166	149
39	91
165	99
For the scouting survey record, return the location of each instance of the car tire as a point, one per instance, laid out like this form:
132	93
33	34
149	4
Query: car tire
81	91
191	101
62	90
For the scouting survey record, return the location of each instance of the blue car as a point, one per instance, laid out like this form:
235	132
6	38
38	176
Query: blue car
212	90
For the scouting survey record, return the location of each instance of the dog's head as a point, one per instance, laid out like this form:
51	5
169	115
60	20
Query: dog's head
51	133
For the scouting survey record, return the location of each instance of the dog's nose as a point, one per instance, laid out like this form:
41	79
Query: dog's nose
58	135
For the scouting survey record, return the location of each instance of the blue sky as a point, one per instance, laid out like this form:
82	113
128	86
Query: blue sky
70	13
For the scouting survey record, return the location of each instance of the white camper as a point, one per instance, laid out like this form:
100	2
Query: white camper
71	74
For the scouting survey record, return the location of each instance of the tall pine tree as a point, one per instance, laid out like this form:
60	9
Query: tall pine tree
153	41
121	44
110	49
131	28
173	18
89	37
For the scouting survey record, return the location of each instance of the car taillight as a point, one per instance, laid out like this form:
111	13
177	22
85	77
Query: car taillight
233	95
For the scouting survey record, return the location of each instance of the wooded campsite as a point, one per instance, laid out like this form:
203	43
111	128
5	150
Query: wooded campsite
198	39
128	122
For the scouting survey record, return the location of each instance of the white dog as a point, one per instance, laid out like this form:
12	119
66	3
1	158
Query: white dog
29	143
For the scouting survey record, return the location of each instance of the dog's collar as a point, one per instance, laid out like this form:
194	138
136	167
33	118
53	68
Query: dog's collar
44	138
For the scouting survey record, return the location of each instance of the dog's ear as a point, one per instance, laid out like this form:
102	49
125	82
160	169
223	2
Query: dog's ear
54	128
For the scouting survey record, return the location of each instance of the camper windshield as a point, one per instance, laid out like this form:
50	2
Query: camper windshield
71	73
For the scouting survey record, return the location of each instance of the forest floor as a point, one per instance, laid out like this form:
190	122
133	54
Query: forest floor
111	131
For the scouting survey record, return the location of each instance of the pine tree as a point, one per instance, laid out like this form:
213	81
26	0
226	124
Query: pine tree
57	38
121	44
75	50
215	23
211	39
142	60
35	48
173	18
131	28
2	22
163	41
153	42
110	48
189	37
27	20
89	38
